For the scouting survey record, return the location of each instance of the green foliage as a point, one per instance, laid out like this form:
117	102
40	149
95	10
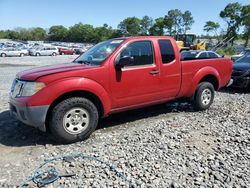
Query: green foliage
174	22
211	26
245	14
177	22
232	15
146	24
58	33
130	26
38	34
229	51
158	28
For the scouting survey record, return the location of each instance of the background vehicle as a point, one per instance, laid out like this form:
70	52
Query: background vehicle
236	57
79	51
13	52
241	72
66	51
46	51
187	42
198	54
114	76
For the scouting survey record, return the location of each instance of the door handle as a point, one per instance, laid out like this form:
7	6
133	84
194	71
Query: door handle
153	72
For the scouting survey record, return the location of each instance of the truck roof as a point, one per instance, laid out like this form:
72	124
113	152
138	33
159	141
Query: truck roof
143	37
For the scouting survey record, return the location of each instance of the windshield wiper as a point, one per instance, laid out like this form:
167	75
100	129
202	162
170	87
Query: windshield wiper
83	62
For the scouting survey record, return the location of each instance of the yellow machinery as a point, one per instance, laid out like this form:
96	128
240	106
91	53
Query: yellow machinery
189	42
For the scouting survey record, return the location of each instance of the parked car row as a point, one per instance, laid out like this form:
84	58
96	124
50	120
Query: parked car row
40	51
40	48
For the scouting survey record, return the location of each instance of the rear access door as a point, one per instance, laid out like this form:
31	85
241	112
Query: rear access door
170	67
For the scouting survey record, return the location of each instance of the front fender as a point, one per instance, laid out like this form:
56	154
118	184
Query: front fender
205	71
58	88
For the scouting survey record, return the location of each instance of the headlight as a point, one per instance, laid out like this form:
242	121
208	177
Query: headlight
31	88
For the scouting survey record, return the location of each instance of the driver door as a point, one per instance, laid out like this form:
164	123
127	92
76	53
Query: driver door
139	82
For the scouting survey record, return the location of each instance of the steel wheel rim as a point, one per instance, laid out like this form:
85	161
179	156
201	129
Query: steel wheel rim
76	120
206	97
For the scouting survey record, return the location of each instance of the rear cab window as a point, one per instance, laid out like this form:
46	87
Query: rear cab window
167	51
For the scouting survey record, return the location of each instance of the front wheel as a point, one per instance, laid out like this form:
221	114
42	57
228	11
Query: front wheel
74	119
204	96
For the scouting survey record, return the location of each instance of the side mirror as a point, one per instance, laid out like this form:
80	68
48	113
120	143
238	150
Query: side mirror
223	56
124	61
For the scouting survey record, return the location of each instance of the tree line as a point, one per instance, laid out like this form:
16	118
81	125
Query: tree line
236	17
175	21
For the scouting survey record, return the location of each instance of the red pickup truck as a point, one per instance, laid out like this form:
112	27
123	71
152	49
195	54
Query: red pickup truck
113	76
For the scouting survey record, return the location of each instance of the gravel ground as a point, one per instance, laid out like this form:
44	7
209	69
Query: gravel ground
168	145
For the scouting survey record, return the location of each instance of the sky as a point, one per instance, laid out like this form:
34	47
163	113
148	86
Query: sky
45	13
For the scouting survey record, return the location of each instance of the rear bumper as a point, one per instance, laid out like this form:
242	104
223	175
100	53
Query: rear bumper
241	82
34	116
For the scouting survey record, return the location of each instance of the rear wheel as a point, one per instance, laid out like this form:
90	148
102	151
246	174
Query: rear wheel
53	54
74	119
204	96
21	55
3	55
38	54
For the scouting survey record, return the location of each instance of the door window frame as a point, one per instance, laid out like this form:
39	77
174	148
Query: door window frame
137	66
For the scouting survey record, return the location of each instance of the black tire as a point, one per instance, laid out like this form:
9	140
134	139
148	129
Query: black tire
59	113
53	54
3	55
38	54
22	54
201	99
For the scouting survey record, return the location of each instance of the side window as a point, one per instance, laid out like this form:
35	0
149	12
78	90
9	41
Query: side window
141	51
167	51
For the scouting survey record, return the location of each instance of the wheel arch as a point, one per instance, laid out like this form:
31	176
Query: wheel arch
76	93
206	74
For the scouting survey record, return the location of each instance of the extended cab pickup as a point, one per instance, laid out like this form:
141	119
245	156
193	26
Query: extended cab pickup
113	76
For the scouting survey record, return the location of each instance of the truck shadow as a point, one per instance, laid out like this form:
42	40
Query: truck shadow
231	90
16	134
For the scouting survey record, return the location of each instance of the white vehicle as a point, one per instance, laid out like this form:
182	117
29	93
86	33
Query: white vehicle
45	51
199	54
13	52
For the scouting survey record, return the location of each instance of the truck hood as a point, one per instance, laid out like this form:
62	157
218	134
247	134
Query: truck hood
241	66
35	73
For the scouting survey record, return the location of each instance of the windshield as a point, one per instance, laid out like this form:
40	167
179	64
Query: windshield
244	59
99	53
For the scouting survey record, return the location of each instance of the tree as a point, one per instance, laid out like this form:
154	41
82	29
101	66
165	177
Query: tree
158	27
24	34
169	24
232	15
102	33
58	33
176	16
245	14
146	24
81	33
213	27
187	21
38	34
130	26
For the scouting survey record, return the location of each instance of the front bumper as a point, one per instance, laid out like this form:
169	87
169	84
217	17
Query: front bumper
34	116
241	82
